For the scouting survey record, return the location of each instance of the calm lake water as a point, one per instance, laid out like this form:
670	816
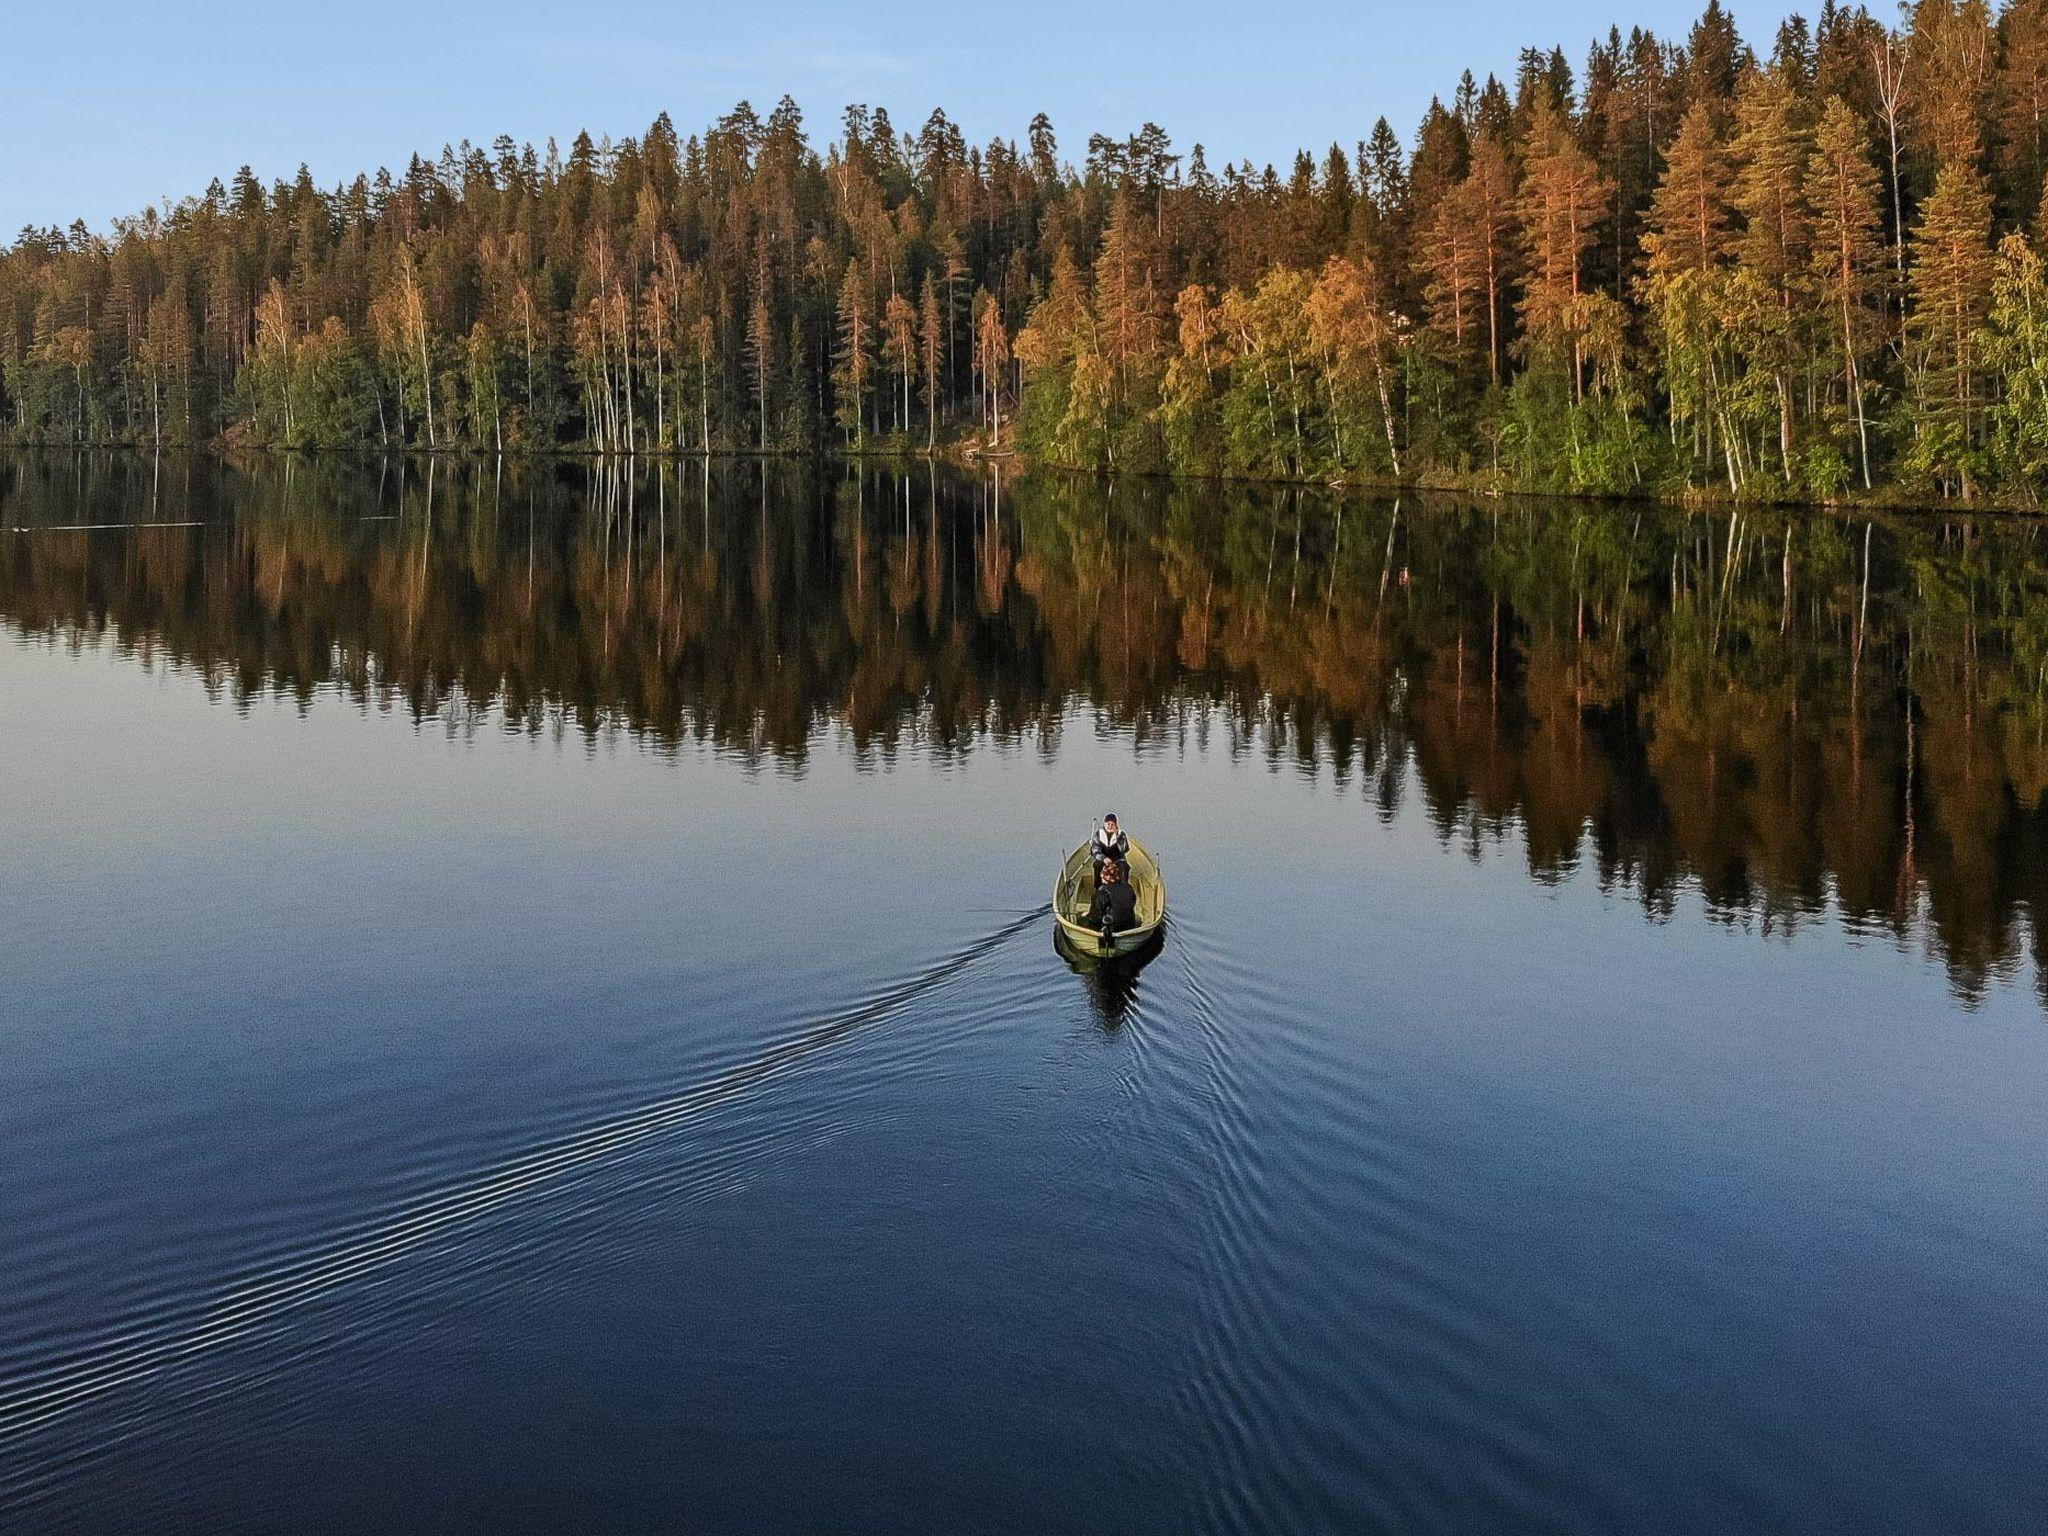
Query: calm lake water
528	1004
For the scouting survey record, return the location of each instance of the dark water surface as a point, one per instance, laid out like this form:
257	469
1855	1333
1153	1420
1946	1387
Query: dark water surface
527	1005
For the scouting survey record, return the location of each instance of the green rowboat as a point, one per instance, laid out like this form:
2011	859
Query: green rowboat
1076	890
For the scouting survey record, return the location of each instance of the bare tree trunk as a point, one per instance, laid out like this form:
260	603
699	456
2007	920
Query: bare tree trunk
1855	388
1888	62
427	385
1379	370
526	304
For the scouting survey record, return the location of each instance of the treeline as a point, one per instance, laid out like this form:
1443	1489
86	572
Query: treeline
1804	272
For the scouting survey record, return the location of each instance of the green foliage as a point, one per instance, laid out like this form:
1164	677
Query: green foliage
2016	349
1536	434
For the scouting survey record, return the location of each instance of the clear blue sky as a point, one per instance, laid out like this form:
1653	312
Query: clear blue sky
117	104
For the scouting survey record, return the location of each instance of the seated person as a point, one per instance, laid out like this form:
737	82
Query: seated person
1115	906
1108	843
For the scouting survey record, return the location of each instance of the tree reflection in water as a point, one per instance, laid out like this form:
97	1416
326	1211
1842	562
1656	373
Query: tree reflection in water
1789	712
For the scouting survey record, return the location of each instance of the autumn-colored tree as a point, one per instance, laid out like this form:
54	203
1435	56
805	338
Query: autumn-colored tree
1715	209
1274	391
273	354
992	353
1128	305
1686	248
931	345
1771	150
2020	105
482	356
1352	325
1842	191
1457	273
166	350
704	342
1690	216
856	352
1068	382
1953	49
1951	286
761	351
899	350
1188	390
1487	203
1562	203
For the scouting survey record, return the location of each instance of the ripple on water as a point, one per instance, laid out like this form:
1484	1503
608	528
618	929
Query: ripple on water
1305	1373
77	1395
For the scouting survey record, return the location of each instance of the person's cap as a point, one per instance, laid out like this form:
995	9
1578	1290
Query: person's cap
1109	815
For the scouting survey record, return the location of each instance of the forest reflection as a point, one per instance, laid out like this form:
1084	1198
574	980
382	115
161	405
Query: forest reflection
1786	712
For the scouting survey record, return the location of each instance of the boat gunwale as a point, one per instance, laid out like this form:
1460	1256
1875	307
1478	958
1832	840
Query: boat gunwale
1127	940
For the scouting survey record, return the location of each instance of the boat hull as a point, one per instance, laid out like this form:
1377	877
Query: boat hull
1075	889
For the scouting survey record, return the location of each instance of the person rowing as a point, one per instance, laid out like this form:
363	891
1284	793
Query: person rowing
1115	906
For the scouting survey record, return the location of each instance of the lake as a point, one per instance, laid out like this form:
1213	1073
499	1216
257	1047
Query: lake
529	1003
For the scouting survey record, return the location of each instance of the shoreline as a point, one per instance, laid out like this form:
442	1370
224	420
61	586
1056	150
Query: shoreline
1698	498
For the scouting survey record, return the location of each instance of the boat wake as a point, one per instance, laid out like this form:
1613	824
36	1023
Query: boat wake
172	1332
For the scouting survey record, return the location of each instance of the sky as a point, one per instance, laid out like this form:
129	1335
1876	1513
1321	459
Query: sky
116	105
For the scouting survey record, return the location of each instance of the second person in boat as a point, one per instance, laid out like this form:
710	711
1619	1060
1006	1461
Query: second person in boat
1115	906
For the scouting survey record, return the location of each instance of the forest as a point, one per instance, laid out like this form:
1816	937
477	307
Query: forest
1706	268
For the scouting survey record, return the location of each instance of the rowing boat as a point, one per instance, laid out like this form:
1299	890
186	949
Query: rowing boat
1075	892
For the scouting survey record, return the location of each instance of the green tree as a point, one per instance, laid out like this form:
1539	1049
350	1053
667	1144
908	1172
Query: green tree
2016	353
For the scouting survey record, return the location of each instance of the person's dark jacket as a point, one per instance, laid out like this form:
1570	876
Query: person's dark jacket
1115	907
1100	850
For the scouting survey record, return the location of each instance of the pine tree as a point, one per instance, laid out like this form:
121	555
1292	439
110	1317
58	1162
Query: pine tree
1713	59
2020	105
1563	202
1842	188
1690	217
931	338
1951	288
733	289
761	348
856	352
992	355
1457	274
1771	150
1952	47
1128	302
1686	248
1488	202
899	349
